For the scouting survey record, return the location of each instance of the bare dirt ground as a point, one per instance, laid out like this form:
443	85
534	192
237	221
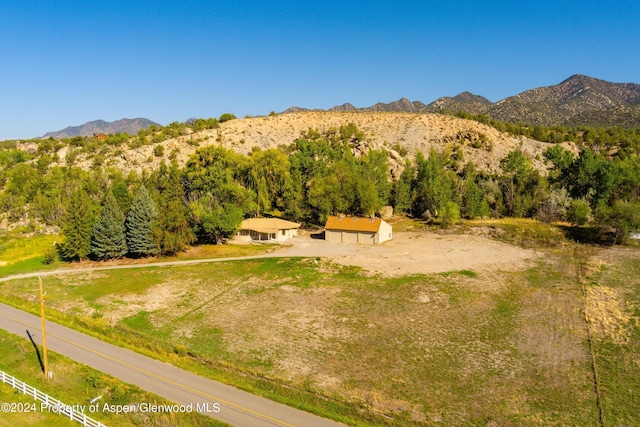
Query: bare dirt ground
416	253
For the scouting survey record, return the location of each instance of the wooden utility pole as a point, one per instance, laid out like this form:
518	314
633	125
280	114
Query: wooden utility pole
44	333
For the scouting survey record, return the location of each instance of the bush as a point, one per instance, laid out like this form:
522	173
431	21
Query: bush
50	256
226	117
400	149
158	150
449	214
579	212
554	208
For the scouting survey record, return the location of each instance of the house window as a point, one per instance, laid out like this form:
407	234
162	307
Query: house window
283	232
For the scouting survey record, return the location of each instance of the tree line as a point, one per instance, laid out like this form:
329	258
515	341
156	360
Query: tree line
104	214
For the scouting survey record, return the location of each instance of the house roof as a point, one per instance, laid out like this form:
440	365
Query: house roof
267	225
353	223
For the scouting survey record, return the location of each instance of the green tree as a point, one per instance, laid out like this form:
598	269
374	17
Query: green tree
432	188
561	160
594	178
333	192
623	216
108	240
449	214
402	190
374	173
221	173
215	222
630	188
77	226
269	177
523	188
120	191
172	231
48	206
473	198
139	225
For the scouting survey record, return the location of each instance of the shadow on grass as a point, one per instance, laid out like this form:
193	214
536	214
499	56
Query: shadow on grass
590	235
37	351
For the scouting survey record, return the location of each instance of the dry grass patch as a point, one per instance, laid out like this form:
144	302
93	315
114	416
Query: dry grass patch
606	314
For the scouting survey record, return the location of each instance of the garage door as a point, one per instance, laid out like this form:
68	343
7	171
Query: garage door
367	238
350	236
333	236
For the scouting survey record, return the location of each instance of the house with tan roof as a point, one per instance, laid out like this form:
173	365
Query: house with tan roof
267	229
352	229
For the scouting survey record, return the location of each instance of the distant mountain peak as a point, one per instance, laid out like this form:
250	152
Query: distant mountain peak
130	126
344	107
573	101
577	100
580	78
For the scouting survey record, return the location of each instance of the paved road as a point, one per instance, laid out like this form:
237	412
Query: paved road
237	407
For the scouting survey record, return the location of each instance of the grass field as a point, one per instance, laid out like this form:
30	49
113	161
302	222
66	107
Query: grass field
555	343
76	384
21	255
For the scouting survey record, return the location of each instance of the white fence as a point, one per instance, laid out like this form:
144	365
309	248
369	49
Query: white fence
49	402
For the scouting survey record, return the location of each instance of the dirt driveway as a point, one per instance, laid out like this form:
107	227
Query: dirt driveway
416	253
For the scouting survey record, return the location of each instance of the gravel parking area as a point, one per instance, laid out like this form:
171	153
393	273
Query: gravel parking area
416	253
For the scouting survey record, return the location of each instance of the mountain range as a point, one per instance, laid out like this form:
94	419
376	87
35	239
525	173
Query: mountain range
130	126
577	101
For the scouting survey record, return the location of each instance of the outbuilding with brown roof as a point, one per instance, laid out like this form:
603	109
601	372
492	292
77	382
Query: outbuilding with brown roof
352	229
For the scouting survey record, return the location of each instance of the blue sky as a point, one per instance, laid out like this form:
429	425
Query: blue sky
66	63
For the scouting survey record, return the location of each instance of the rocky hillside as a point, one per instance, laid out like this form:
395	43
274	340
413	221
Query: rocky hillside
130	126
578	96
398	133
578	101
466	101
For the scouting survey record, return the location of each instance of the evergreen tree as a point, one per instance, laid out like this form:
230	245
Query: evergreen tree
172	231
77	228
108	240
122	196
139	225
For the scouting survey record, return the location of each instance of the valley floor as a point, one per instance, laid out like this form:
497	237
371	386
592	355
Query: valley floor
427	329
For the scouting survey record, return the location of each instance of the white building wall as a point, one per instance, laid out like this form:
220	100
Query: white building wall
284	235
385	232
